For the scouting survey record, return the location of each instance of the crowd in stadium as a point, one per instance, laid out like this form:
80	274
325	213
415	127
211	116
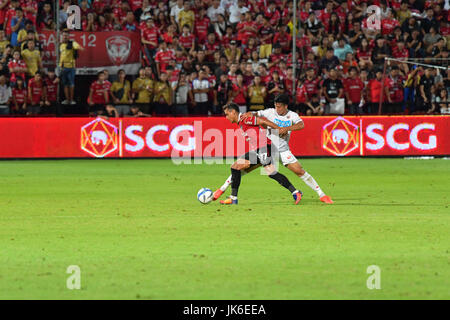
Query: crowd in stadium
199	55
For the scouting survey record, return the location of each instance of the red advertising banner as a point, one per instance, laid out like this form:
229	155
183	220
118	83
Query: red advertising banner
211	137
103	50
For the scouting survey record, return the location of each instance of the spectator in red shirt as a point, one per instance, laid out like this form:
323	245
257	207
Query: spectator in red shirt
51	83
19	97
374	91
98	96
239	93
201	26
187	39
354	91
283	38
17	67
247	28
276	56
162	57
395	82
36	94
389	23
364	55
9	15
265	76
149	38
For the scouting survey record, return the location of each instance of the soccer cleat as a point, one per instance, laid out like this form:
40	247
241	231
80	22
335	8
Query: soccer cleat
229	201
217	194
297	196
65	102
326	199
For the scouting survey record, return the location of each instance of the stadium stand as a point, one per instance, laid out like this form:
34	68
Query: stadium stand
230	50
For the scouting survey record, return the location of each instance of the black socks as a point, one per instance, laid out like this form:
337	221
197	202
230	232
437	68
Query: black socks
281	179
235	181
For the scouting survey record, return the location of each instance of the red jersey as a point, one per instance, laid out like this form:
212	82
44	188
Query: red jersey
37	91
150	34
135	4
251	133
366	55
98	92
395	86
284	40
354	87
240	98
186	40
375	90
288	84
119	14
266	79
10	13
15	64
388	26
28	15
232	77
20	95
312	86
52	89
164	57
399	54
301	94
245	35
201	29
98	6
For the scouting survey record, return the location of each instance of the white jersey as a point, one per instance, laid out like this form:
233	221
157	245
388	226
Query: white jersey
289	119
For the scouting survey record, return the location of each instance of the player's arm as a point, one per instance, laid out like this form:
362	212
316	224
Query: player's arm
295	127
264	122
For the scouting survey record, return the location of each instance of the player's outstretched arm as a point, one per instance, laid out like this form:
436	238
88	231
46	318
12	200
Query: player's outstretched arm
264	122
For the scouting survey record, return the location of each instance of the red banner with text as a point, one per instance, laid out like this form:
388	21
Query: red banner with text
103	50
216	137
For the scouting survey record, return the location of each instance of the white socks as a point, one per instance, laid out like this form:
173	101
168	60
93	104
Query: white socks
226	184
310	182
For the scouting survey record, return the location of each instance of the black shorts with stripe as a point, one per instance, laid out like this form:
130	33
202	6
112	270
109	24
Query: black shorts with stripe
260	156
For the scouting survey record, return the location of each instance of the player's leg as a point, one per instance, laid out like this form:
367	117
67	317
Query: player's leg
240	164
227	182
283	181
292	164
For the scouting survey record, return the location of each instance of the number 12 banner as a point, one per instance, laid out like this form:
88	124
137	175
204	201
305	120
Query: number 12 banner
103	50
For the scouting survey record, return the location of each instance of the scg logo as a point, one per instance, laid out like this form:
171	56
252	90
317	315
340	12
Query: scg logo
393	143
139	142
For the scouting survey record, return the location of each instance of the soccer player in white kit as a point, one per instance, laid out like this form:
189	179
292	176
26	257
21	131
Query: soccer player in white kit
288	121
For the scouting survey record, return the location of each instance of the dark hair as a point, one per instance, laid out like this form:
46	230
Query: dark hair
231	106
281	98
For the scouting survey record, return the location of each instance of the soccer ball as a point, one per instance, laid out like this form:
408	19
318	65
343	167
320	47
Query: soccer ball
205	195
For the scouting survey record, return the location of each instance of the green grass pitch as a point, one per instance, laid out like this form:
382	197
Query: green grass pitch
137	231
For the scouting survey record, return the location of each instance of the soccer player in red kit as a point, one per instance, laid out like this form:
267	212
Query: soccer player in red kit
258	154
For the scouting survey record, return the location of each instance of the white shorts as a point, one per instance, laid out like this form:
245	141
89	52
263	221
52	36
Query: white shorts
287	157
